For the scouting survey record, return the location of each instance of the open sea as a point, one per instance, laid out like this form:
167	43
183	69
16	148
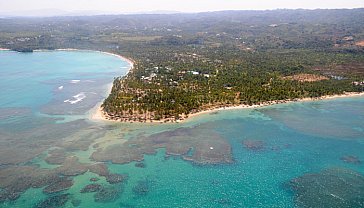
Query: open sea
307	154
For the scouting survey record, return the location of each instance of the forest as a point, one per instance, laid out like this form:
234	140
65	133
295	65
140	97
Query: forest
185	63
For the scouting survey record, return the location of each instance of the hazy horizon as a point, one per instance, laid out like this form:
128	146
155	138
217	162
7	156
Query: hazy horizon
59	7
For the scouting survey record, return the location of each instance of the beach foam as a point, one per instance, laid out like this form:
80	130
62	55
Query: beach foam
77	98
75	81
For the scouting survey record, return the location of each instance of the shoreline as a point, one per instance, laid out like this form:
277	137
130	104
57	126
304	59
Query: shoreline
101	115
129	60
277	102
96	113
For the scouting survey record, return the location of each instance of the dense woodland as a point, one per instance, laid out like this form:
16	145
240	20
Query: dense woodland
185	63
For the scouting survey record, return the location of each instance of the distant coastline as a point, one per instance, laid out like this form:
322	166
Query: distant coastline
129	60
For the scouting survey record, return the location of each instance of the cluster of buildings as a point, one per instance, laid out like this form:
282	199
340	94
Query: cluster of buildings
358	83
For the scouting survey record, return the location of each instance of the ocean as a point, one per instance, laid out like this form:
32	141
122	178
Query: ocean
303	154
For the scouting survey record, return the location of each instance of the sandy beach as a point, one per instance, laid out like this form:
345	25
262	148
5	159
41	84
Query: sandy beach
99	114
327	97
4	49
131	62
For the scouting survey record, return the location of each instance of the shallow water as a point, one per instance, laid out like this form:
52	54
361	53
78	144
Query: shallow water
273	150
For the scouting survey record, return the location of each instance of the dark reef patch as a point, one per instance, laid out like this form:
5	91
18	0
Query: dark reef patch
140	165
91	188
123	205
3	195
115	178
82	140
56	156
142	188
76	202
208	147
6	195
337	187
61	185
351	159
107	194
254	145
17	179
20	143
99	169
54	201
71	167
22	146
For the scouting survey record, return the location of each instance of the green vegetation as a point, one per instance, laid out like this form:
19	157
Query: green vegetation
185	63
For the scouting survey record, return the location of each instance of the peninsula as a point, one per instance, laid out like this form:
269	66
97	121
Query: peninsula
185	64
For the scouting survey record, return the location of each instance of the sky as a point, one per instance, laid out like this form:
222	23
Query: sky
133	6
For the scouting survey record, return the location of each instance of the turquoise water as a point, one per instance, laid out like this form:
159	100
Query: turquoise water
296	139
